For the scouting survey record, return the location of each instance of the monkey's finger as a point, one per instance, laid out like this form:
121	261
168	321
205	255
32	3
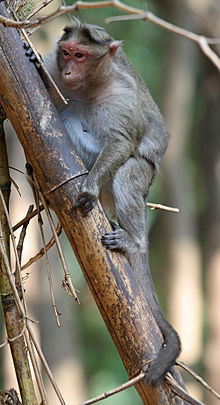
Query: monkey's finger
88	207
82	200
85	205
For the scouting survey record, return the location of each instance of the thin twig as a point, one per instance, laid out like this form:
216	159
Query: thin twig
202	41
120	388
3	344
16	170
9	275
46	367
18	266
40	223
178	390
15	185
23	233
67	280
43	67
23	315
50	281
39	8
38	375
24	220
198	378
162	207
41	252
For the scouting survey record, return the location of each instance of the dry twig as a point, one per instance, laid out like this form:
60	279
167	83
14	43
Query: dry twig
67	279
42	252
198	378
18	266
28	217
23	233
120	388
153	206
202	41
176	388
28	330
40	223
49	276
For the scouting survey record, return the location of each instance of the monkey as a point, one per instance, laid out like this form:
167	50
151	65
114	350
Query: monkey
120	135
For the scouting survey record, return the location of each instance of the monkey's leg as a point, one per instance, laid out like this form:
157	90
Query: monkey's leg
130	186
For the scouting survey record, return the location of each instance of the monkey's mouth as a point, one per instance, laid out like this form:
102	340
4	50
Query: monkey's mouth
73	85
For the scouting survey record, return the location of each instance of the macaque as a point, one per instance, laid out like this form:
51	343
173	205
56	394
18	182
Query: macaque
120	135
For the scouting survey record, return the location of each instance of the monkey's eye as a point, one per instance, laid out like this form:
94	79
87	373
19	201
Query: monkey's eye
79	55
65	53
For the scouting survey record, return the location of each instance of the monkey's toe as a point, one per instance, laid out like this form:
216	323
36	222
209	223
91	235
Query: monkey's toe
114	240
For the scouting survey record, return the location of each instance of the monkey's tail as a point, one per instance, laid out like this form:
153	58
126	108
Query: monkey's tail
171	346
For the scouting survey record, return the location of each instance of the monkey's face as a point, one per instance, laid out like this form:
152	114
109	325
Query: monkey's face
73	59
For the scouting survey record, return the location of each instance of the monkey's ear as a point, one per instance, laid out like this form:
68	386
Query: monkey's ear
113	46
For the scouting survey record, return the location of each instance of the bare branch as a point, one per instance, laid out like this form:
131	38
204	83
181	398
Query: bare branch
49	276
120	388
198	378
42	252
202	41
24	317
28	217
67	279
18	266
39	8
3	344
43	67
23	234
154	206
178	390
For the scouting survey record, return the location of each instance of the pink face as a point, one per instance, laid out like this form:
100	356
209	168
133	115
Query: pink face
75	59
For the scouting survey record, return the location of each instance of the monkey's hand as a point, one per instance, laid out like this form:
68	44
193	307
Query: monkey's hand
32	57
86	201
88	196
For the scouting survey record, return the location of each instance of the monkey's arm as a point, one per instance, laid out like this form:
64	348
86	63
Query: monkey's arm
112	156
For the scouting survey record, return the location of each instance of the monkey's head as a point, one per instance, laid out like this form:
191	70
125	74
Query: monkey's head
84	50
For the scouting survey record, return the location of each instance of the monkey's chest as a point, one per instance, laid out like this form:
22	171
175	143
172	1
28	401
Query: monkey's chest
86	144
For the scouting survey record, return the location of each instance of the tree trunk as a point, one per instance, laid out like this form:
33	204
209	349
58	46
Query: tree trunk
60	174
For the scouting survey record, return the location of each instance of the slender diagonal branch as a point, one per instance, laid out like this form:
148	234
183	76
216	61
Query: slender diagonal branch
201	40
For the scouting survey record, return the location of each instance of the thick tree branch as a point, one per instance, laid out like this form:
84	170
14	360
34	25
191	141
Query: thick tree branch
60	173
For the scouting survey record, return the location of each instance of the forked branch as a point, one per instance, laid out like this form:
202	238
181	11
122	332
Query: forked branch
136	13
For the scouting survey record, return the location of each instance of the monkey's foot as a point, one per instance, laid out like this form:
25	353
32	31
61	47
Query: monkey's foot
118	239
